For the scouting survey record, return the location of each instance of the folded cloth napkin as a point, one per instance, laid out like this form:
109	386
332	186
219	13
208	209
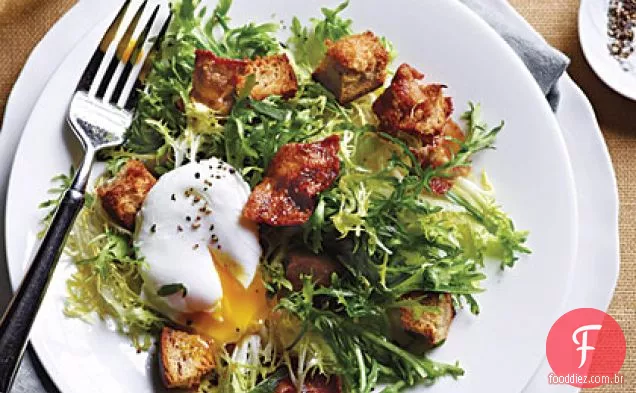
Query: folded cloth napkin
545	63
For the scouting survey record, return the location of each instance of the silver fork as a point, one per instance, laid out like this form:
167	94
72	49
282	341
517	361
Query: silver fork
100	112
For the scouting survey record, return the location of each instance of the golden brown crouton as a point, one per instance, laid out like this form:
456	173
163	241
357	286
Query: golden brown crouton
353	66
274	76
185	358
412	107
123	196
433	327
215	79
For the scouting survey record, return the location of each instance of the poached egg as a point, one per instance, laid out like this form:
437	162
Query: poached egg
202	256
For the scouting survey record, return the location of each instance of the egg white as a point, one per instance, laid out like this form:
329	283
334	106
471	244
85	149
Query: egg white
191	210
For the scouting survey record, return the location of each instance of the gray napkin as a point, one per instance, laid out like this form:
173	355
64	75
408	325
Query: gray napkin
544	62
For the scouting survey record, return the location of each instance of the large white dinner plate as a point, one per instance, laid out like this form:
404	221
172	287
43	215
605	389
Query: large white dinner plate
530	169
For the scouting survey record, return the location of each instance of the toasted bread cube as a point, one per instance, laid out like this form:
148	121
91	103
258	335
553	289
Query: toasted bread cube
185	358
215	80
432	327
123	196
353	66
410	106
274	76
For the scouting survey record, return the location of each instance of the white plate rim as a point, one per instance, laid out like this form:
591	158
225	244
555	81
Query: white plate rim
14	281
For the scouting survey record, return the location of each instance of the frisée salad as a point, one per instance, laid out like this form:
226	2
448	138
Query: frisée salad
288	216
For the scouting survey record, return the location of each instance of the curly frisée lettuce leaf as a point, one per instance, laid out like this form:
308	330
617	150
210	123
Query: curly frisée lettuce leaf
508	243
358	334
168	83
107	283
308	43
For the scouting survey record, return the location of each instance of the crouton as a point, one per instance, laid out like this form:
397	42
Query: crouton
185	358
353	66
410	106
274	76
215	79
301	263
123	196
432	327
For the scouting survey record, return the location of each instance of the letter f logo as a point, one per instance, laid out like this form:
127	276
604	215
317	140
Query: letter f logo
583	344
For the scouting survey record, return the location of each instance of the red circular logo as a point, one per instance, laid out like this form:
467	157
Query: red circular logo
586	349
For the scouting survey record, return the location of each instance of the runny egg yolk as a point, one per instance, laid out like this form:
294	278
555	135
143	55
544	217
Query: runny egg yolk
240	311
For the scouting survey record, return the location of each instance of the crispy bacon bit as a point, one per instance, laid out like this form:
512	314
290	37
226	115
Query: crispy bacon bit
412	107
439	152
317	384
297	174
440	185
215	79
304	263
442	148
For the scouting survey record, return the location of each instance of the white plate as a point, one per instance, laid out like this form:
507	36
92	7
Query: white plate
539	193
594	40
598	258
594	276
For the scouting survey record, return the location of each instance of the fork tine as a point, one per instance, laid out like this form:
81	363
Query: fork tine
123	48
133	56
136	79
93	65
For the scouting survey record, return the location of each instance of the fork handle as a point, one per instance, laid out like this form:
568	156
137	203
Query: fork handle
19	316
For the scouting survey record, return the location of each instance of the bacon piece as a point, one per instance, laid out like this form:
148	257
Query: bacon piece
297	174
316	384
410	106
304	263
442	148
215	79
439	152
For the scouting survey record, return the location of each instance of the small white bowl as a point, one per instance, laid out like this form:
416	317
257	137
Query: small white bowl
620	76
